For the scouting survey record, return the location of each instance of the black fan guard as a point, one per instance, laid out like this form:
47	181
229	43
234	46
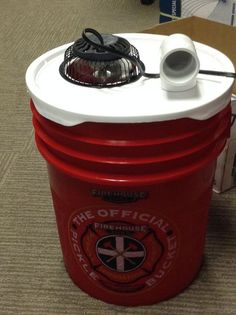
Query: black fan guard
101	60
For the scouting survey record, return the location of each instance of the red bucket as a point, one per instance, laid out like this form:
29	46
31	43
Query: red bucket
131	202
131	199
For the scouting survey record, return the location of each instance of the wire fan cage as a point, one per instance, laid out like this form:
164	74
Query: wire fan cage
87	65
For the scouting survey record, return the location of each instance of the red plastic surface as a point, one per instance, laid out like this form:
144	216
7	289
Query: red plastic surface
131	202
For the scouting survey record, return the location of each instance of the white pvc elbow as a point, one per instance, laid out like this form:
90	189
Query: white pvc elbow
179	63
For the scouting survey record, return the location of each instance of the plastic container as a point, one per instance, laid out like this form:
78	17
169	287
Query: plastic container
131	177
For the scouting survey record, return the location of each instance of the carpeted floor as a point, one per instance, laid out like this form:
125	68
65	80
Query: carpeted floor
32	275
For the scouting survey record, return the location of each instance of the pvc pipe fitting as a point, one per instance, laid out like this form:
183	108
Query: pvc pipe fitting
179	63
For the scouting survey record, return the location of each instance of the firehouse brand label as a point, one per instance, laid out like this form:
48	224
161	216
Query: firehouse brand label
119	196
122	250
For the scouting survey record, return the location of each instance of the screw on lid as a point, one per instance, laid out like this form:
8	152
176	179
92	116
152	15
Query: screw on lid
142	101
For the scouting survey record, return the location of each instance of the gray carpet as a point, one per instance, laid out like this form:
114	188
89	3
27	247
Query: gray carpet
32	275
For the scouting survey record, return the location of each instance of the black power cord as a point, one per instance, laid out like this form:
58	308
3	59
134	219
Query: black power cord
219	73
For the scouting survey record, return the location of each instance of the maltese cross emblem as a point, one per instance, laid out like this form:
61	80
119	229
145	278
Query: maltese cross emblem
120	253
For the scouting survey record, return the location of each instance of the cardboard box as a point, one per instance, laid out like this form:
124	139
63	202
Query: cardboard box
214	34
225	175
223	11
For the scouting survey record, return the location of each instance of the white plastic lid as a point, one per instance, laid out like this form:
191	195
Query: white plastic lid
142	101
